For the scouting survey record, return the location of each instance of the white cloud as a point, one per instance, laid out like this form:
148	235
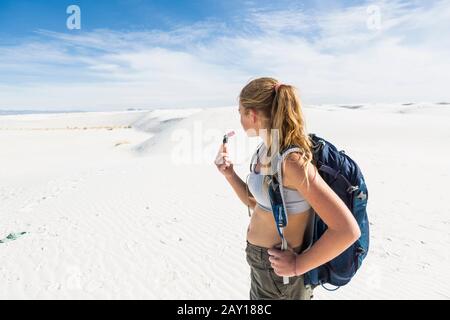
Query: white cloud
332	57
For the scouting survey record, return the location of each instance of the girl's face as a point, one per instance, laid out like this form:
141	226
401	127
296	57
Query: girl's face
249	122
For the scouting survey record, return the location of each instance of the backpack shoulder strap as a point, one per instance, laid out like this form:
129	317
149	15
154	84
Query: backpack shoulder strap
283	155
278	172
255	154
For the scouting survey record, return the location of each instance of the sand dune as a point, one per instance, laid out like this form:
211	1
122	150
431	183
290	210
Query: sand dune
132	206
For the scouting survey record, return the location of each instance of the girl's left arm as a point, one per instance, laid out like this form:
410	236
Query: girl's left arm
343	230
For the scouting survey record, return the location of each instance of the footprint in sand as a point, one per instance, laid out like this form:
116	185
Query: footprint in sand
12	237
27	208
9	194
93	286
31	206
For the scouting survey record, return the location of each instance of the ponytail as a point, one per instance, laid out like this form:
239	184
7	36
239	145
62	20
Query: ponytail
280	104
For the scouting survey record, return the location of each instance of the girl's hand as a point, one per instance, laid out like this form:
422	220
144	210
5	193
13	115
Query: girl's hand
223	163
283	262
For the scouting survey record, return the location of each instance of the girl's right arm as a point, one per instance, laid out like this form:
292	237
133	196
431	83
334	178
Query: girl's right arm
225	166
241	189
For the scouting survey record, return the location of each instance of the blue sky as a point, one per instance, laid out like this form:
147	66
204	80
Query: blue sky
21	17
136	53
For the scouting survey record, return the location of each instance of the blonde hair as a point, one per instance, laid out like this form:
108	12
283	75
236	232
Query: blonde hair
279	107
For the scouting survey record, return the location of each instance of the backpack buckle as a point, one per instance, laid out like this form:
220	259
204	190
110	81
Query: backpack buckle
352	189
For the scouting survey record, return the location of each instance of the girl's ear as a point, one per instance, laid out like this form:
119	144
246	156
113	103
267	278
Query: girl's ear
253	115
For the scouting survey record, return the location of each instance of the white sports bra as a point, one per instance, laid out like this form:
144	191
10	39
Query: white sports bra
294	201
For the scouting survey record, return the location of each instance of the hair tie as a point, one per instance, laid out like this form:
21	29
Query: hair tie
277	86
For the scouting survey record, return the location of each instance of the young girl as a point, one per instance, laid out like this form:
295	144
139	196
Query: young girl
267	106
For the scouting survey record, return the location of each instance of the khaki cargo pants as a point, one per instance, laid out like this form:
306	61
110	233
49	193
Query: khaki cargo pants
265	284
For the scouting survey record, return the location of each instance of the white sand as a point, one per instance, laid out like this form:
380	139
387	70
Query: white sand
129	204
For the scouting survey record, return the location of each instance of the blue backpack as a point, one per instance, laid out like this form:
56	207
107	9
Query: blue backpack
344	176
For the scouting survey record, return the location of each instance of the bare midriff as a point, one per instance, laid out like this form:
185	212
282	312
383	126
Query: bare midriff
263	232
